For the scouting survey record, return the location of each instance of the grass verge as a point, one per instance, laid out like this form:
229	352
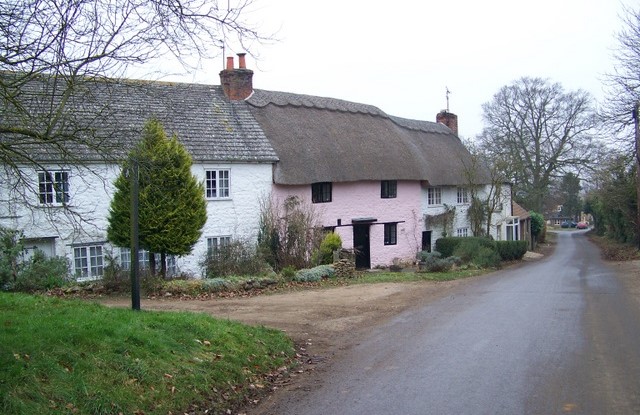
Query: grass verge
64	356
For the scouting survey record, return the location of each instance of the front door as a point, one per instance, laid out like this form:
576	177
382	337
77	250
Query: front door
426	241
361	246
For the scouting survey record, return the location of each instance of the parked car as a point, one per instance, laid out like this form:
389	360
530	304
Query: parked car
568	224
582	225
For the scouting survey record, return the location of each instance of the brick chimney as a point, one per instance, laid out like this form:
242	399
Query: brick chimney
449	119
237	84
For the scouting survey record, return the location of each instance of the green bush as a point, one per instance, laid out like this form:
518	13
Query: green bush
468	248
511	250
288	273
433	262
42	273
10	251
486	257
447	245
315	274
330	243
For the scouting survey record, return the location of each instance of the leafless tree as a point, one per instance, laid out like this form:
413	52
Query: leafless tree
623	83
60	58
540	132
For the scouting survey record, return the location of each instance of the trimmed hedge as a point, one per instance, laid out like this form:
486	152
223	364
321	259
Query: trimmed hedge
511	250
446	246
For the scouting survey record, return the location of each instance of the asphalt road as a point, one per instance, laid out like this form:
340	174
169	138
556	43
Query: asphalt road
555	336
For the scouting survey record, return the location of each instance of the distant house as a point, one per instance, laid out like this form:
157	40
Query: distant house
380	181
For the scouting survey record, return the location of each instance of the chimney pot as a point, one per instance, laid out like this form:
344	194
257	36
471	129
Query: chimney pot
237	84
449	119
241	62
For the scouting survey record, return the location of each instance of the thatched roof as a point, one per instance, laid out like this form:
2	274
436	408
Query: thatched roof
329	140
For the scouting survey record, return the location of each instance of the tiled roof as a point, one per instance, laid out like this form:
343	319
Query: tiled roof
113	113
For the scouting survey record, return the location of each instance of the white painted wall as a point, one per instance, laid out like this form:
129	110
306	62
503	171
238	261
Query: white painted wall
450	199
91	189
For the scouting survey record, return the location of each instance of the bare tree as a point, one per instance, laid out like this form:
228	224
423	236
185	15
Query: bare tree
623	82
486	181
621	111
60	58
541	132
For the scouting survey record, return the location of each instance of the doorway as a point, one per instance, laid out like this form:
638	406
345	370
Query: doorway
362	246
426	241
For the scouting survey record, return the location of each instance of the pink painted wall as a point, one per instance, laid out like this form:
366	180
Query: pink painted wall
362	199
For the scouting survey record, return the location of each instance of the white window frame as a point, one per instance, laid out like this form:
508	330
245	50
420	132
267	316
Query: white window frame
213	242
217	184
463	196
434	196
88	261
53	187
512	228
462	232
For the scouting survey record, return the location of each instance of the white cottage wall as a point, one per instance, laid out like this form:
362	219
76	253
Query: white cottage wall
90	192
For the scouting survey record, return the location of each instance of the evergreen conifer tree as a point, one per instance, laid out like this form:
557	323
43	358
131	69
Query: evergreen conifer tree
172	207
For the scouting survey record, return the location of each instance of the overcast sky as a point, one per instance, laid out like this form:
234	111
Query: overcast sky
402	55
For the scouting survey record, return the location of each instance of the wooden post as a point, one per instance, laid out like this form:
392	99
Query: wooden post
135	266
636	116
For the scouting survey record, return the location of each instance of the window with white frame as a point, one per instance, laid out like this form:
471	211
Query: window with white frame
143	260
390	233
216	242
462	232
217	184
125	258
434	196
53	187
463	196
88	261
512	228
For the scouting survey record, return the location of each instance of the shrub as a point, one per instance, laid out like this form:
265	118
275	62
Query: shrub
10	251
315	274
486	257
237	258
446	246
330	243
511	250
115	278
42	273
433	262
468	248
288	273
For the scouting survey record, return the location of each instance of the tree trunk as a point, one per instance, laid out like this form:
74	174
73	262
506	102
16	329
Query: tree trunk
152	264
163	265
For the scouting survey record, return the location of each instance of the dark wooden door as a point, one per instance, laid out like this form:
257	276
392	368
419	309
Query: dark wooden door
426	241
362	246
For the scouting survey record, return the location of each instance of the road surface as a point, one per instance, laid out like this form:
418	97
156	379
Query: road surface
555	336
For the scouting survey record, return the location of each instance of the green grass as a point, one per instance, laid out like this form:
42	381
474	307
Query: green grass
61	356
377	277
